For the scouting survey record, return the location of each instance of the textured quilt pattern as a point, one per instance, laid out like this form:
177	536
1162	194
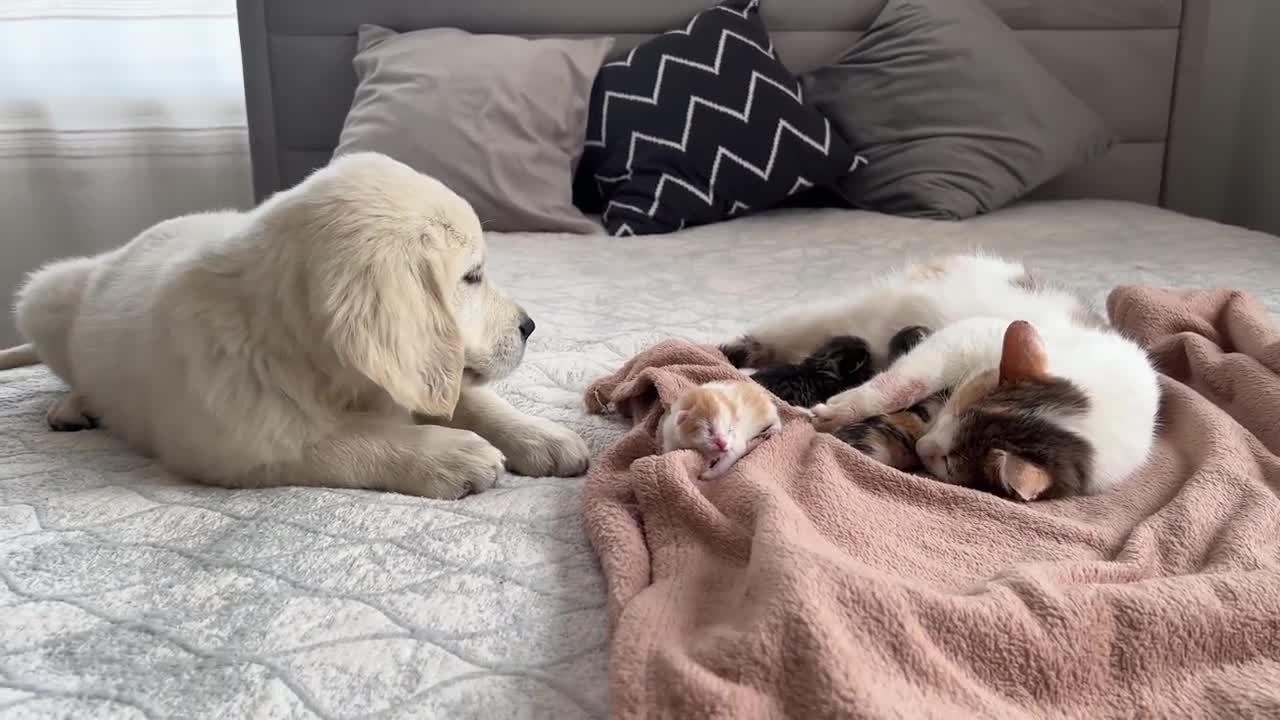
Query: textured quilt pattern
126	592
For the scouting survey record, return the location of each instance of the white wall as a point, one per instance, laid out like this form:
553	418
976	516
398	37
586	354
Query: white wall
1235	177
55	206
1253	194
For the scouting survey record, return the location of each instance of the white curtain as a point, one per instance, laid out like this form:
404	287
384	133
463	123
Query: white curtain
114	114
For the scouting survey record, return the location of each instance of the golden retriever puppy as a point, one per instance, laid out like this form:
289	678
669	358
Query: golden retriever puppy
296	343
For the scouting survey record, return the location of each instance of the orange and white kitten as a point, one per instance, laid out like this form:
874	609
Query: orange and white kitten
1046	399
721	420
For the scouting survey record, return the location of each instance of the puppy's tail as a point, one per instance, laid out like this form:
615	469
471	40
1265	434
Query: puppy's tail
18	356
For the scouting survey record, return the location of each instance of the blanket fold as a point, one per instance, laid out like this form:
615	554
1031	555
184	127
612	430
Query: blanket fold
812	582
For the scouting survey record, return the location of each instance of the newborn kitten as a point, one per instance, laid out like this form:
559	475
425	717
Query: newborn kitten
843	362
891	439
721	420
1046	399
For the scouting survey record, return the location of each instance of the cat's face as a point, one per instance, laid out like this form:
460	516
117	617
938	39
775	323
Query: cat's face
704	424
1002	430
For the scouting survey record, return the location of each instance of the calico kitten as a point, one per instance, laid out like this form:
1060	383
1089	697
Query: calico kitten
891	439
844	362
1045	399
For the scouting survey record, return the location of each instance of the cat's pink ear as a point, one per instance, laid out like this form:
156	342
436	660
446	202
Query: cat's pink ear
1022	357
1026	480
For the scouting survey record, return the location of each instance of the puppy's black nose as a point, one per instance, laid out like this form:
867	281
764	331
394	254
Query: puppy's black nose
526	327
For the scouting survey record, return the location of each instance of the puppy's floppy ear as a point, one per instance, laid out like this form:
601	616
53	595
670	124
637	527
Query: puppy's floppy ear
389	318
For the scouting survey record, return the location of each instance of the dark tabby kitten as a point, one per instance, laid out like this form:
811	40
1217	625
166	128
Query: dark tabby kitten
840	363
891	439
844	362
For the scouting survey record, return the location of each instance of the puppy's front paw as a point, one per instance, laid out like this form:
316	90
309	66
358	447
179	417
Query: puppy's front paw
541	447
467	464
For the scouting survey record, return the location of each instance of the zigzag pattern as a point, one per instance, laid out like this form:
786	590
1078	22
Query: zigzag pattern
745	14
652	98
805	125
695	101
708	196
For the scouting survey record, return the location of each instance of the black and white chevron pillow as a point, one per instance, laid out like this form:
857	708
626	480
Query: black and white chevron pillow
700	124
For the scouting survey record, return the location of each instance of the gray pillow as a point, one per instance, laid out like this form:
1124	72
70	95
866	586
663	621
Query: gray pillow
953	115
499	119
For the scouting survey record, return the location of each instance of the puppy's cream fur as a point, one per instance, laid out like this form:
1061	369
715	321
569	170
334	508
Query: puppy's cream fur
294	344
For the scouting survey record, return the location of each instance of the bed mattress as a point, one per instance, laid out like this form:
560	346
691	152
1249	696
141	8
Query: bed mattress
129	593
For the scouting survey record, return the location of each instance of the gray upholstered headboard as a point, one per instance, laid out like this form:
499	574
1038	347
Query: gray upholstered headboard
1136	62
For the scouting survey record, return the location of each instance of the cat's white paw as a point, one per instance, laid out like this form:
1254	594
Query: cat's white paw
848	398
886	394
844	409
829	418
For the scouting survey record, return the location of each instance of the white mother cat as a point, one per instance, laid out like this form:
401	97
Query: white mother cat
1045	399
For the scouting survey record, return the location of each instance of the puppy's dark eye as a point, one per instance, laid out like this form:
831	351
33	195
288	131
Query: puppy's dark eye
473	278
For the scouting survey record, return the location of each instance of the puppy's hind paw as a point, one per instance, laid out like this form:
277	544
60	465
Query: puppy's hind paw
68	414
463	464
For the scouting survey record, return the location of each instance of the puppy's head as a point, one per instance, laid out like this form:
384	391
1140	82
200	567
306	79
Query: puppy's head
397	283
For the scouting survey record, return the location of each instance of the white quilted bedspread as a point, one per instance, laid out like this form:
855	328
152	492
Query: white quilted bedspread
126	592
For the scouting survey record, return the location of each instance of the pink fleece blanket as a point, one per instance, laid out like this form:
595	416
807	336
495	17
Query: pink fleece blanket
815	583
